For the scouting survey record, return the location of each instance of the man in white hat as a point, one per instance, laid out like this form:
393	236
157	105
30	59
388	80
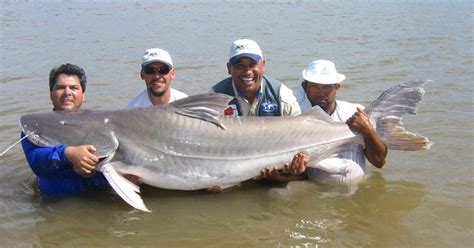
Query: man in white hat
157	72
320	85
261	94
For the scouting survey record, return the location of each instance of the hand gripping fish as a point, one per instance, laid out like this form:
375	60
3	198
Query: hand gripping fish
190	144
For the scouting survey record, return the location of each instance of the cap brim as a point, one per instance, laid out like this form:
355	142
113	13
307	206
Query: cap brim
156	61
252	56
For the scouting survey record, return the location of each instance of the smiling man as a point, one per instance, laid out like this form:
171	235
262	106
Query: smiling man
157	72
261	94
65	169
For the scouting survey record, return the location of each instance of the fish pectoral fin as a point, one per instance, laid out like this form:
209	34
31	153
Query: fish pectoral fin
104	141
319	114
124	188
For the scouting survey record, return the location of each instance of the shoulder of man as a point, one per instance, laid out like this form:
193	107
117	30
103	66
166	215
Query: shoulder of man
221	84
141	100
176	94
349	106
288	101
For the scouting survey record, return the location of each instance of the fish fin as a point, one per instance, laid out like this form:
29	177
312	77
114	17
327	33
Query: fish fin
207	107
387	111
319	114
215	101
124	188
104	141
202	113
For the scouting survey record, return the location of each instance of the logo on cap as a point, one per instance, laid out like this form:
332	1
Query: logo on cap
241	47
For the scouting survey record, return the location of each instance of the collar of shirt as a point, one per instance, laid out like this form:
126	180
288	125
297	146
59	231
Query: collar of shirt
238	94
248	109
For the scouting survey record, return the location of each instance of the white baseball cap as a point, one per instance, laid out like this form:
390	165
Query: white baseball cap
156	55
244	48
322	72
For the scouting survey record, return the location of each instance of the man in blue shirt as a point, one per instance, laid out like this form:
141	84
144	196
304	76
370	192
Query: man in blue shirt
65	169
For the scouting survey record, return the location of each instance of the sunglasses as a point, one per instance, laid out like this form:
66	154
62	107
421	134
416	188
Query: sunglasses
162	70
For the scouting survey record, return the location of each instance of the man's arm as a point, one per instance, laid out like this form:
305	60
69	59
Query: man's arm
288	102
375	150
52	160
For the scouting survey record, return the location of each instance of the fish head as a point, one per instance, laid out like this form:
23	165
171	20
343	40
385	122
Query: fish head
54	128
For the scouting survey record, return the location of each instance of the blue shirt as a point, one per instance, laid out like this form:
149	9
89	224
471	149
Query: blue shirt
55	173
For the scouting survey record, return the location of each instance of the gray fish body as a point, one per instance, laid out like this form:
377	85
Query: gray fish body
168	149
190	144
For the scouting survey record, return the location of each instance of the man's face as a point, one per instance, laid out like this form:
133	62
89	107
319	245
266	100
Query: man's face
247	74
67	93
323	95
157	78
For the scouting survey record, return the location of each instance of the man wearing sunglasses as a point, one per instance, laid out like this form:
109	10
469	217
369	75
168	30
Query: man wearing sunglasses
157	72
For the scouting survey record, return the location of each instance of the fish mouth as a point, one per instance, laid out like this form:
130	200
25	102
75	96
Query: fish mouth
34	137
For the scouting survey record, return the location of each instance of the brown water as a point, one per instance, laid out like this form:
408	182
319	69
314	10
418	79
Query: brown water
419	199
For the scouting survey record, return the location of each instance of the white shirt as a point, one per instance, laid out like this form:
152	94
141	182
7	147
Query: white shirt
351	155
142	100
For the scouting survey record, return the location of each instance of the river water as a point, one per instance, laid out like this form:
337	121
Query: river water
419	199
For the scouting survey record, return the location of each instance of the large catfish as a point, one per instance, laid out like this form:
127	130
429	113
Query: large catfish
190	144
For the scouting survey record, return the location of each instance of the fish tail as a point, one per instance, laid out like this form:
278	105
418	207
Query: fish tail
387	111
124	188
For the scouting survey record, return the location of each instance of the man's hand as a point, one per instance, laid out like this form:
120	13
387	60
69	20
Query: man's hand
82	158
375	150
294	171
215	189
359	122
273	174
298	165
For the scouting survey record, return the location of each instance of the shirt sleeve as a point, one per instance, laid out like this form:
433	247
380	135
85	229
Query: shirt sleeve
45	160
289	104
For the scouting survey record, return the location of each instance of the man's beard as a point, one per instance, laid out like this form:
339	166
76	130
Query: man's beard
156	92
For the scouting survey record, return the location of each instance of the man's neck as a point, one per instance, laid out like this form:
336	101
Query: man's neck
330	110
250	96
160	100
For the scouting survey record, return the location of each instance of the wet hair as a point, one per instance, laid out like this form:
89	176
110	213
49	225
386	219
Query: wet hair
70	70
